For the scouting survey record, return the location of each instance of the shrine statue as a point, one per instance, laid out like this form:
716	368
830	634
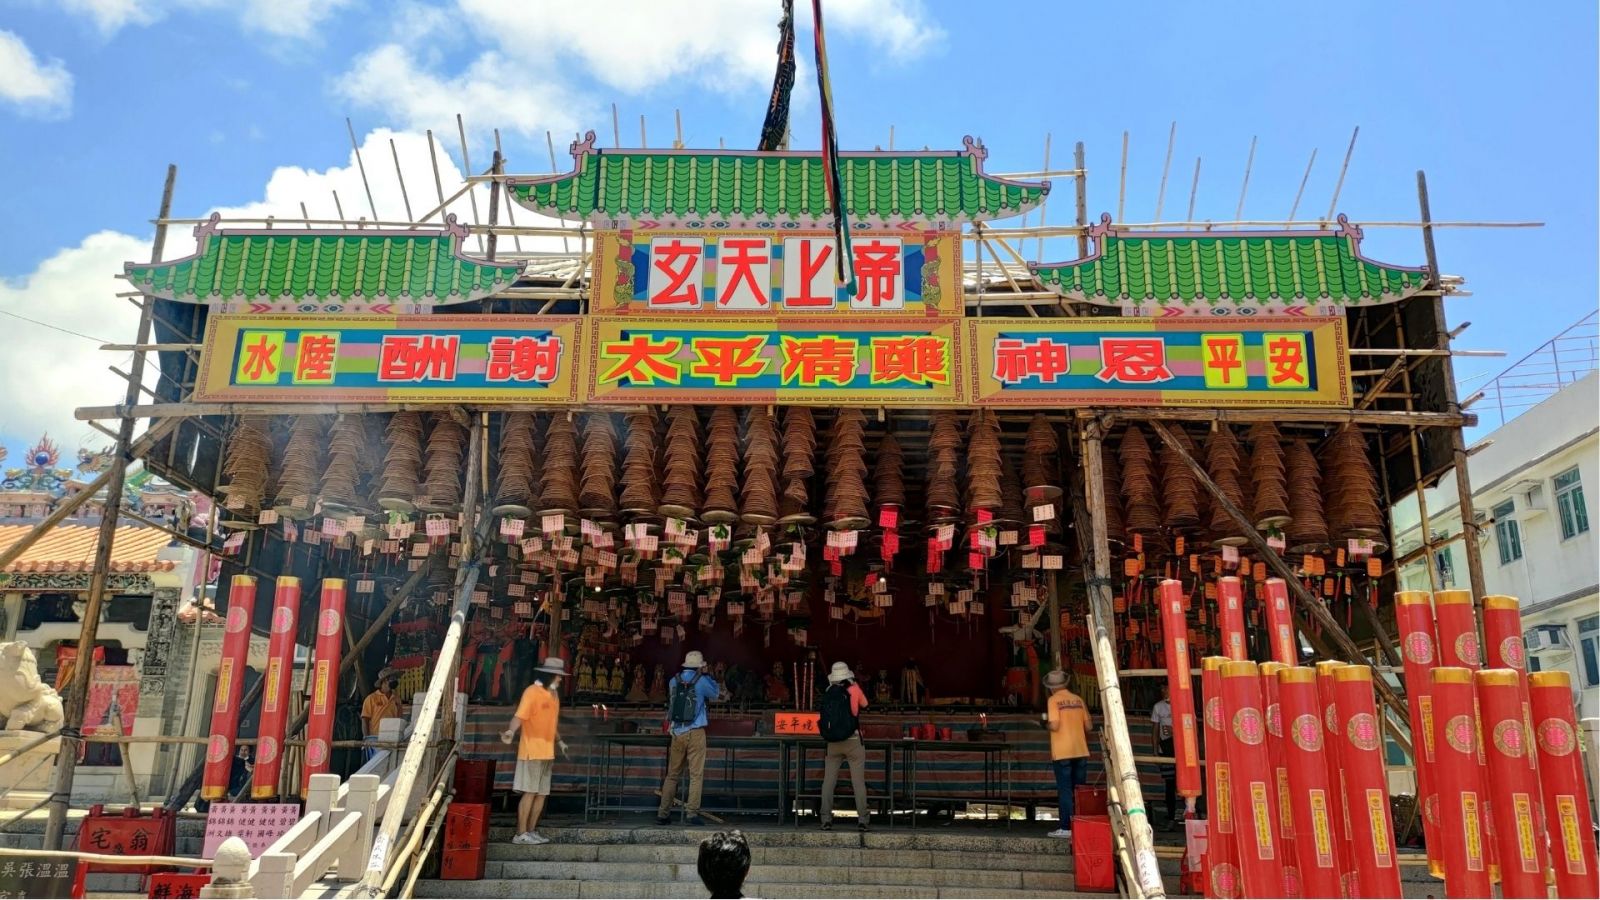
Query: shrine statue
658	685
585	675
777	688
614	682
26	702
637	690
912	690
882	694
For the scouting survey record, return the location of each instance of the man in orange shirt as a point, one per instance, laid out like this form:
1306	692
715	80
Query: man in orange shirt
1068	720
537	718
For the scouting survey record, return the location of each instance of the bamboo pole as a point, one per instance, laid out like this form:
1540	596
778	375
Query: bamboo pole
78	690
1338	187
1122	182
1244	188
1080	190
1166	168
361	166
424	817
492	240
1303	179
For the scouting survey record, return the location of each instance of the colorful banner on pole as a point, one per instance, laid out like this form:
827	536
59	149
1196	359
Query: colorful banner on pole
381	359
1159	362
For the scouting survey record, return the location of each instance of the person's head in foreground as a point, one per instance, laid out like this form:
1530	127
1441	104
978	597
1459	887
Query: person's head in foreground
724	861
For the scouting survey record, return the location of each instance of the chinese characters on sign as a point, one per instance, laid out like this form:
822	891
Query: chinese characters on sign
36	876
257	824
796	723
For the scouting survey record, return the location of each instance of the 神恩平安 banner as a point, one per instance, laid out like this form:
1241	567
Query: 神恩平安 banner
843	359
752	272
378	359
1271	362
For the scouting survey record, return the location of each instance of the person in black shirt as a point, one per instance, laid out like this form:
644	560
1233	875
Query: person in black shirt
723	864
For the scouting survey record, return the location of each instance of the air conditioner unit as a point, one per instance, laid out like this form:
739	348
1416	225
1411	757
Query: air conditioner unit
1547	637
1533	498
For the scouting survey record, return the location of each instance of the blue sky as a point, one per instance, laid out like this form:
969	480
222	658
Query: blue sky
249	97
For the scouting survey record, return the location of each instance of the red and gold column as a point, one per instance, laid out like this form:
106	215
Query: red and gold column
1273	710
1413	614
1253	780
1366	784
1457	626
1180	692
1332	736
230	685
275	688
1502	634
1280	623
1230	617
1222	855
1311	792
324	680
1463	840
1513	783
1566	793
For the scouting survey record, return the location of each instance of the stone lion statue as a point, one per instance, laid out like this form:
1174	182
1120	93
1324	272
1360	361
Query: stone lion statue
26	702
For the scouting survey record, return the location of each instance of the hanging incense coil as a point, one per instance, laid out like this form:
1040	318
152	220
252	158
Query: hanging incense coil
517	478
845	468
247	467
558	477
302	467
799	452
1111	484
721	503
1350	487
1012	510
1224	465
942	491
680	482
983	461
1180	492
1269	502
442	465
597	484
1041	462
888	473
347	451
402	463
759	499
1141	509
1307	530
641	493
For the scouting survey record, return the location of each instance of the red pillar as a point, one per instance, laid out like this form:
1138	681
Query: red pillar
1366	784
1180	690
1514	798
1280	774
1222	856
230	686
1280	623
1253	780
1566	793
1463	840
1311	792
1230	617
275	689
324	681
1457	625
1413	615
1332	736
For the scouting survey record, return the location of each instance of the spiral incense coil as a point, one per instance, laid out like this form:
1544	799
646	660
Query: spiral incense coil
1041	464
641	493
1012	509
845	469
347	448
721	503
247	466
1224	465
942	493
1111	483
1307	531
1180	492
302	467
1350	487
597	484
558	477
799	449
442	465
1269	503
680	482
402	462
888	473
983	461
516	478
758	502
1141	510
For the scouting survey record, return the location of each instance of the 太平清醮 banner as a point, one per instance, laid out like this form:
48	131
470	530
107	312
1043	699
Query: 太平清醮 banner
390	359
1287	362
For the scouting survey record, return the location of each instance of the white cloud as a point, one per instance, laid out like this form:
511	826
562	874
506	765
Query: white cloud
42	89
111	16
281	18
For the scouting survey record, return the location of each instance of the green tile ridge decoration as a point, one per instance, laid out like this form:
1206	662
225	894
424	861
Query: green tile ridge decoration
332	271
739	189
1206	273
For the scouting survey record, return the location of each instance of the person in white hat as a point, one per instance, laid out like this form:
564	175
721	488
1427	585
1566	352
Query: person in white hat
1067	717
689	692
840	726
537	718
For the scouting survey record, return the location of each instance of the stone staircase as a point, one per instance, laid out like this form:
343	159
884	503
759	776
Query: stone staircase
786	862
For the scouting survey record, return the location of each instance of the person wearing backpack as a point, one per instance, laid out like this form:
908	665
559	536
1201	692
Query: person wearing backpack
688	693
839	724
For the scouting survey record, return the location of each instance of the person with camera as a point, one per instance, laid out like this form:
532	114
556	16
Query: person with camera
689	692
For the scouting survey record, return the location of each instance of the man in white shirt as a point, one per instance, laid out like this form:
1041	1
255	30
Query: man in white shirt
1161	742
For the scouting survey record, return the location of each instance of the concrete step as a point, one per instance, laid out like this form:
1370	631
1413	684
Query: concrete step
1017	840
993	879
1059	860
492	887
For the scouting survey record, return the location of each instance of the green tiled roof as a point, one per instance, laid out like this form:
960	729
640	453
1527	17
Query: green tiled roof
285	270
616	188
1200	270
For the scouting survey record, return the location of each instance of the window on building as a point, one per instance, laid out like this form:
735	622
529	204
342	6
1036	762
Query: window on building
1533	664
1569	504
1589	646
1506	534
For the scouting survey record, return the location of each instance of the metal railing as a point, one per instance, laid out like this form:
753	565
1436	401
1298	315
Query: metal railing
1566	358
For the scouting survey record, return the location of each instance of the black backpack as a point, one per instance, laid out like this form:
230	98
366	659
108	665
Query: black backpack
684	707
837	722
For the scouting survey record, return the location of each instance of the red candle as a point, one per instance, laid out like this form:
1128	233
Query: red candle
1413	614
1513	783
275	688
1253	780
1180	690
1332	736
1280	623
1273	710
230	686
1366	784
1230	617
1566	792
1311	791
1222	856
1463	840
324	681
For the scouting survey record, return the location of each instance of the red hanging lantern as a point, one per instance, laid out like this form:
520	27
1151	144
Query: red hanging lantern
1360	750
1332	735
230	685
1311	792
1273	710
1463	839
1230	617
1280	623
1180	692
1566	792
1413	614
1222	855
275	688
1253	780
324	681
1514	797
